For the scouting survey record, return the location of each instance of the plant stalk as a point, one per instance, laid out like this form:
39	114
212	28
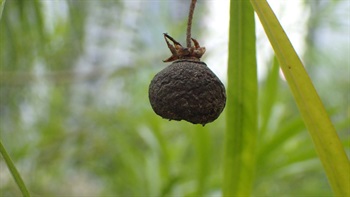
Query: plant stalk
189	23
14	171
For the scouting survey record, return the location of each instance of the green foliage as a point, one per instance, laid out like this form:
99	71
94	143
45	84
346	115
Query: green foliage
242	91
2	4
75	116
13	171
325	138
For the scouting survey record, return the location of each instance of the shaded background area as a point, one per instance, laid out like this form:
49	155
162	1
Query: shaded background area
75	115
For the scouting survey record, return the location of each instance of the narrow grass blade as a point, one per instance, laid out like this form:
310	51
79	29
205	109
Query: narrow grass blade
14	171
322	132
2	5
268	96
241	109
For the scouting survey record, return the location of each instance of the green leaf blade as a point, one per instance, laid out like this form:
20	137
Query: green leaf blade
321	130
12	168
241	119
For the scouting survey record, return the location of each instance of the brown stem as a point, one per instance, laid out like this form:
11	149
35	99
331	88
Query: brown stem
189	23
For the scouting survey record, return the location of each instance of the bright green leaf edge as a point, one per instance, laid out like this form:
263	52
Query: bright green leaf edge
326	141
241	108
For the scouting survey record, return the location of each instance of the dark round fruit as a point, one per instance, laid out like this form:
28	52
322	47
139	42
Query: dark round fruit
187	90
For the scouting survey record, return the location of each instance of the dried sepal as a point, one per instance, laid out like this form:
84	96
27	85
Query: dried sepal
179	52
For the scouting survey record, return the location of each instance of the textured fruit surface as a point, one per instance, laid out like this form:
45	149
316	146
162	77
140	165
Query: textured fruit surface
187	90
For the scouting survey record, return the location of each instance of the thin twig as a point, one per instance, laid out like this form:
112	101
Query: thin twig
189	23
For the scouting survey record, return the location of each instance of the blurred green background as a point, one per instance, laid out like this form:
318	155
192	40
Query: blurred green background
75	115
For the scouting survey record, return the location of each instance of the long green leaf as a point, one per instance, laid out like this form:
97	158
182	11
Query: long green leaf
324	136
241	126
14	171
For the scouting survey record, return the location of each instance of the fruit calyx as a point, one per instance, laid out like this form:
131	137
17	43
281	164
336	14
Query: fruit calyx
179	52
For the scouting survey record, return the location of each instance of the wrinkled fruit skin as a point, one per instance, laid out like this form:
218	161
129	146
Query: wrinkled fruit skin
187	90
